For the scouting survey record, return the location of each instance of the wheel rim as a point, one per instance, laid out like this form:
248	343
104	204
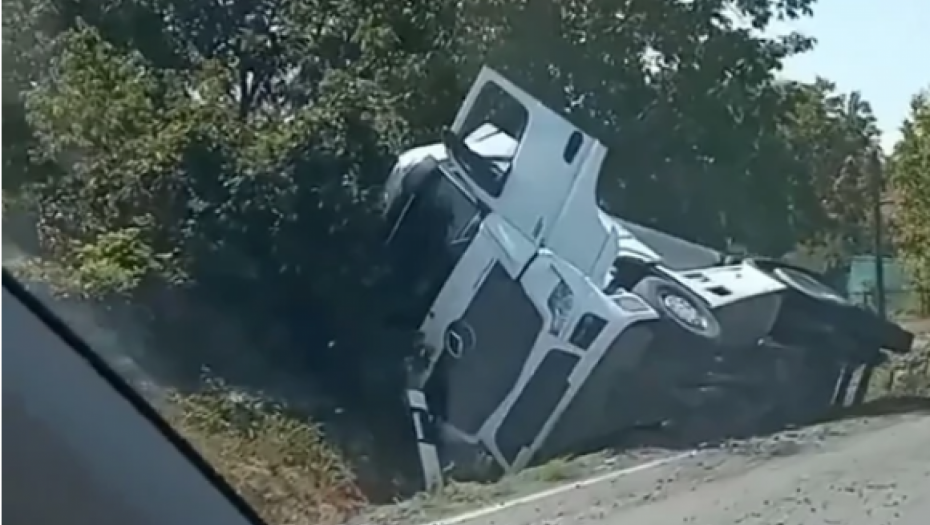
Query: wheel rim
685	311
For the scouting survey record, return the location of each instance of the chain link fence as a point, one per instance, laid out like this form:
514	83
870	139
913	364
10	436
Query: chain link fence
898	303
901	297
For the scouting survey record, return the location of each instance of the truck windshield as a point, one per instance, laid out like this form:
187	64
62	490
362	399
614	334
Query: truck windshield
432	234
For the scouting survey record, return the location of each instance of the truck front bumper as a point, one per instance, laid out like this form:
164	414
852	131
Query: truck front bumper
564	402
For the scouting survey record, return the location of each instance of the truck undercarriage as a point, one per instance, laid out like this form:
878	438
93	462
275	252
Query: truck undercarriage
550	328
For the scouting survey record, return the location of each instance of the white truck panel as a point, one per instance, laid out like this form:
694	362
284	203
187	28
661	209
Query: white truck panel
723	285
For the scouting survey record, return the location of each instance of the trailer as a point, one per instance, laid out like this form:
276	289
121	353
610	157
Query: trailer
549	327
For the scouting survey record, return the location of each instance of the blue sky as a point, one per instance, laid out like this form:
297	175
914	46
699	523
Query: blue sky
872	46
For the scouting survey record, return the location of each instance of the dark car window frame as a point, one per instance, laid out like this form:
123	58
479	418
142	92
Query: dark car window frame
55	381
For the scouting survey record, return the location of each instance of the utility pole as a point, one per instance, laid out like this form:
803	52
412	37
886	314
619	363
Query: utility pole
878	234
876	180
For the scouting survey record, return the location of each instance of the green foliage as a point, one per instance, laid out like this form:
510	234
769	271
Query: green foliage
116	264
910	182
239	149
257	135
833	154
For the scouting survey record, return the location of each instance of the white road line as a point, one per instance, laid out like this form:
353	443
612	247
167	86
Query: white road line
561	489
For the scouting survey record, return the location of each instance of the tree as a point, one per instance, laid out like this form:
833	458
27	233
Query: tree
227	156
239	177
682	93
832	142
910	188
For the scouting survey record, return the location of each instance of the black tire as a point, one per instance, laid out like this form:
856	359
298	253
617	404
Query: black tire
681	308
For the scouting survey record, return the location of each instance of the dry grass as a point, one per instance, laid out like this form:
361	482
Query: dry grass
907	375
457	497
281	465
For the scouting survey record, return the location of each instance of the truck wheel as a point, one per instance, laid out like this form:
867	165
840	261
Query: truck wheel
680	307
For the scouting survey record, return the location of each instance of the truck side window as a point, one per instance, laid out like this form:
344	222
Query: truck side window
493	130
572	147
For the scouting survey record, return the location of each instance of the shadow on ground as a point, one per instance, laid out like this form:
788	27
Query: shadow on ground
671	437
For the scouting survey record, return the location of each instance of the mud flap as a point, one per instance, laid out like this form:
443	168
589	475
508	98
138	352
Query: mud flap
895	338
427	450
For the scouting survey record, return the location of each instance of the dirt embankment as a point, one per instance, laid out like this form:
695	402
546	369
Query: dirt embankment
907	375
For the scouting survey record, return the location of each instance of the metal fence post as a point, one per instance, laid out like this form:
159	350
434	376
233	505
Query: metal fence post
875	168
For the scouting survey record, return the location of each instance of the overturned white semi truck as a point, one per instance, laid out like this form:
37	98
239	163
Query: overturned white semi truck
550	326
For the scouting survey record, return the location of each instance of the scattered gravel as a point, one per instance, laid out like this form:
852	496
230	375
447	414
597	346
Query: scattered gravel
710	463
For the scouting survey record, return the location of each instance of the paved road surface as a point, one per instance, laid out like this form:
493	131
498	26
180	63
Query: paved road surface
874	474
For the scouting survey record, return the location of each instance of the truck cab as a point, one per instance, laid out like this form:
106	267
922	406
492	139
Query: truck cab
530	165
539	173
545	321
535	342
511	331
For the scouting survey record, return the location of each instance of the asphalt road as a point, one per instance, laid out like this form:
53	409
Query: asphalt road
847	473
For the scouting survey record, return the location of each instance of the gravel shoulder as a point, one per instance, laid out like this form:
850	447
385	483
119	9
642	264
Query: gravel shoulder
880	477
866	471
736	462
458	498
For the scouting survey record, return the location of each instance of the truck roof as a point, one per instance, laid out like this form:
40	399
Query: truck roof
675	252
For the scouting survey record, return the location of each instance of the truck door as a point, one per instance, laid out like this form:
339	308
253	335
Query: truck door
524	158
